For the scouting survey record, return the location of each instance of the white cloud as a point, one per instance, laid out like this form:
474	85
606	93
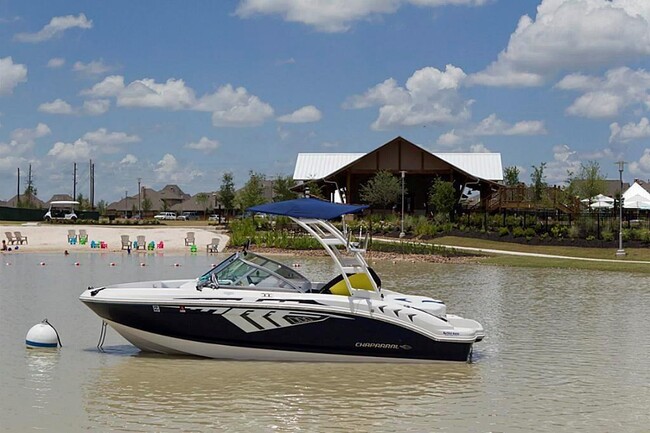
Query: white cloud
229	106
569	35
479	148
204	144
306	114
429	96
55	28
102	137
55	62
23	139
492	125
11	74
58	106
169	170
234	107
449	139
607	96
110	86
129	159
28	135
641	168
95	67
172	95
630	131
79	150
334	15
95	107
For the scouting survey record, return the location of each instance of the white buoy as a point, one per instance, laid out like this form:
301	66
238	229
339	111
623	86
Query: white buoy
42	336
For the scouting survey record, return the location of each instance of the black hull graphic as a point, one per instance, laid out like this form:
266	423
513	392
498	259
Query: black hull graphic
290	329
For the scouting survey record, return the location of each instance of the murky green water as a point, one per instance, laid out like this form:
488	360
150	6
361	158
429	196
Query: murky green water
566	351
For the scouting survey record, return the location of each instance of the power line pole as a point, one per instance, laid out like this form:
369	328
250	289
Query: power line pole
92	185
18	189
139	201
74	182
30	186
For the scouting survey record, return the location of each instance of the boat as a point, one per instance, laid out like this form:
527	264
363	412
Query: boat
251	307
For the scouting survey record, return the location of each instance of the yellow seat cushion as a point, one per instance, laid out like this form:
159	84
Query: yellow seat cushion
358	281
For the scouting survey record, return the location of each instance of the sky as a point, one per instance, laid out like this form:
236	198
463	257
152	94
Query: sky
182	92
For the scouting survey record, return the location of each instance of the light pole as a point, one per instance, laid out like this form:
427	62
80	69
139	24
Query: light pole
402	234
139	201
620	252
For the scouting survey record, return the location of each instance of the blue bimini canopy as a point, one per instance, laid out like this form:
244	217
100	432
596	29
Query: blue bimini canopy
307	208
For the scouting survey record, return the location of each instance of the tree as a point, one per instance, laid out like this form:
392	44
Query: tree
253	191
202	199
29	194
442	197
314	188
382	190
282	188
538	179
589	182
146	204
84	203
511	175
227	191
101	207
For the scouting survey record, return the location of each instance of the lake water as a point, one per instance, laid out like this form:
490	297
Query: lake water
566	351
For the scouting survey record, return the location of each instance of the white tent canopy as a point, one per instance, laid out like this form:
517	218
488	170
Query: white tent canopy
636	197
599	202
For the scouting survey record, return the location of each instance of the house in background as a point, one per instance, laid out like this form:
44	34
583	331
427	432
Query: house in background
31	202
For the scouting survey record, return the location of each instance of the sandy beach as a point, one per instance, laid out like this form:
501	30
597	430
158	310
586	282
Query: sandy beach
54	237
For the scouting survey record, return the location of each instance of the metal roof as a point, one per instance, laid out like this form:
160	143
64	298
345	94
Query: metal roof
481	165
319	165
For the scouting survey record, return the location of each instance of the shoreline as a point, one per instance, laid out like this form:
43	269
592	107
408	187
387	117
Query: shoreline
47	238
370	256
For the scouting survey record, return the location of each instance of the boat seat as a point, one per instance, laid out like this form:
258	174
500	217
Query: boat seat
358	281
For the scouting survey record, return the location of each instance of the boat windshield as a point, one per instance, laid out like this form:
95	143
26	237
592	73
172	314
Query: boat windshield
249	270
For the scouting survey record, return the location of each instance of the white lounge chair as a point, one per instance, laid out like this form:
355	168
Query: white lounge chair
10	238
20	239
141	243
213	247
189	240
126	243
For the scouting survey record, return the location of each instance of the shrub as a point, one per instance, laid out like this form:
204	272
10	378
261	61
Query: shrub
607	235
518	232
530	232
503	231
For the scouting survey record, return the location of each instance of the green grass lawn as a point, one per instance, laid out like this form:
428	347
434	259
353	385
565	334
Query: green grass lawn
540	262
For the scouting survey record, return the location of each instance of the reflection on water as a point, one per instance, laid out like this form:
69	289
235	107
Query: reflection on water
566	351
196	394
41	365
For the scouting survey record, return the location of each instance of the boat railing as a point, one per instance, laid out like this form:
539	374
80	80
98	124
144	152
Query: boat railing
330	238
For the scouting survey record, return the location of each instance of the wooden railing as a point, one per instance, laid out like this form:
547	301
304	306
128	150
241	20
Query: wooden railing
522	197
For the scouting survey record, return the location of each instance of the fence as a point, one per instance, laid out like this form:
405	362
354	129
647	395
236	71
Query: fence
24	214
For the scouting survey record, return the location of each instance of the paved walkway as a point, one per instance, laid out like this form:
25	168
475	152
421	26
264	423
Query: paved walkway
519	253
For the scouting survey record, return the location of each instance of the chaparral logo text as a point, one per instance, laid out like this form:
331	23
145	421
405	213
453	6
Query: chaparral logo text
376	345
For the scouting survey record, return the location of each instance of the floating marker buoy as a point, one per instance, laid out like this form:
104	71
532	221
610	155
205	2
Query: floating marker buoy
177	265
42	336
111	264
42	263
214	265
296	265
142	264
9	264
77	263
